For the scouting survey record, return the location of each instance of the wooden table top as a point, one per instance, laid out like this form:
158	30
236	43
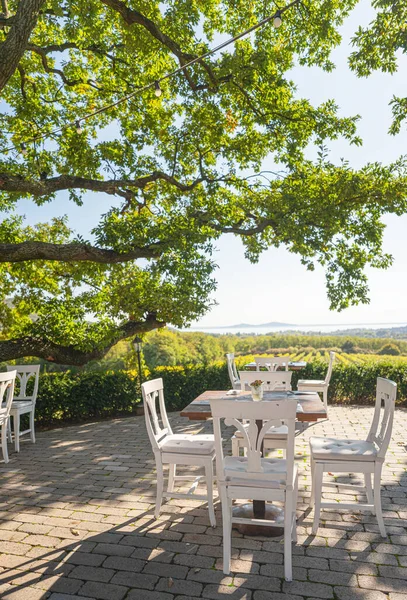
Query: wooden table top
310	405
295	365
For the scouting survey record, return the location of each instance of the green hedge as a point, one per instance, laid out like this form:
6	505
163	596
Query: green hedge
70	397
183	384
76	397
350	384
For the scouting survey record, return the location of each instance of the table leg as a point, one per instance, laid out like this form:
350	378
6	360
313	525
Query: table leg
259	506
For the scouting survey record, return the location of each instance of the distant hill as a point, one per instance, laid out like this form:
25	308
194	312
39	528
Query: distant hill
246	325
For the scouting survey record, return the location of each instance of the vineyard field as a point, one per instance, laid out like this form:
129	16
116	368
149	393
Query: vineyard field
345	358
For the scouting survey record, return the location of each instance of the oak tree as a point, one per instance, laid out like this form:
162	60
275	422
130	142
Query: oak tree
181	169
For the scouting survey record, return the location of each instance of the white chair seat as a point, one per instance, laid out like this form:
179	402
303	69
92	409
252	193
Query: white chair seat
310	382
21	404
189	444
238	464
275	433
333	449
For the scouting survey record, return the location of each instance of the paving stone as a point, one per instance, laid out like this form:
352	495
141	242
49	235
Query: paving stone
333	577
137	580
92	573
69	518
383	584
257	582
104	591
14	548
58	596
59	584
397	572
113	549
86	558
123	563
221	592
210	576
360	568
179	586
306	588
195	561
146	595
26	593
345	593
165	570
262	595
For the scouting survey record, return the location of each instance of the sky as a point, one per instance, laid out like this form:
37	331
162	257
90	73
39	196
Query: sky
278	287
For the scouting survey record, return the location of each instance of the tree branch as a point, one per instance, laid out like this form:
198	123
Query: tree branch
73	252
18	184
13	47
69	355
131	17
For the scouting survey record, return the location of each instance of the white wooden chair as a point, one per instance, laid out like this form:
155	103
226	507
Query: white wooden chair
24	401
255	477
172	449
318	385
272	363
7	381
356	456
272	381
233	376
276	437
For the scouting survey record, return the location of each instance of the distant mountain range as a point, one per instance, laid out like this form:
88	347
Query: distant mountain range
246	325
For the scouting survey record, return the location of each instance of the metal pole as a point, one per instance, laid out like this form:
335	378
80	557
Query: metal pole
140	378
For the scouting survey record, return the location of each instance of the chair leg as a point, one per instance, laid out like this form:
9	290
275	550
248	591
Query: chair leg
317	486
325	396
377	498
227	531
160	487
369	490
288	523
16	420
32	427
294	529
171	477
312	498
4	441
209	488
9	434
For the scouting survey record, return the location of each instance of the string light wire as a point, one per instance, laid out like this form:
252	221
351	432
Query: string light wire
156	83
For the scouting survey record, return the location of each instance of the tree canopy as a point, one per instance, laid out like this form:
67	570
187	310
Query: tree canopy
181	169
379	46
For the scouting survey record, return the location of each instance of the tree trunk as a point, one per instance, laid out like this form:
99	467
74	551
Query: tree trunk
69	355
13	47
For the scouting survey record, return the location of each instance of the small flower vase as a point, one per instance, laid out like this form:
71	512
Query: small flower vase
257	392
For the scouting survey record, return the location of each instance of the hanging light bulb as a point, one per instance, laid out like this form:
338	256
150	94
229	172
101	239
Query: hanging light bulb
23	149
157	91
78	127
277	21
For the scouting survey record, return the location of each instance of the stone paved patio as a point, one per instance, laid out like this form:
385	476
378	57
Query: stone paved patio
76	522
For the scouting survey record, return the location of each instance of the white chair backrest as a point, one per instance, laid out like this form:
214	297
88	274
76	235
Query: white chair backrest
275	381
7	381
233	376
272	363
243	416
152	391
331	364
382	424
24	374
